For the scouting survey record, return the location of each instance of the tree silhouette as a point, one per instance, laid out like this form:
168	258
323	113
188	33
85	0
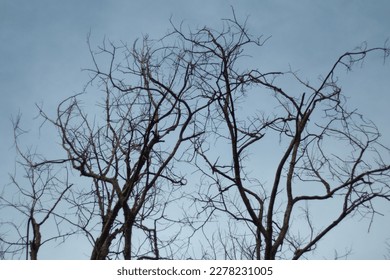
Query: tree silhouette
325	152
191	106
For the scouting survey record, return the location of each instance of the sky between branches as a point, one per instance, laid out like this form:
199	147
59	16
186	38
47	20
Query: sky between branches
43	49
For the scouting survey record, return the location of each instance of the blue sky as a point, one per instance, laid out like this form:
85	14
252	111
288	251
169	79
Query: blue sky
43	50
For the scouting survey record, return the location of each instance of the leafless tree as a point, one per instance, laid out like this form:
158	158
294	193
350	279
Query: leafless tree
130	154
155	111
328	156
32	201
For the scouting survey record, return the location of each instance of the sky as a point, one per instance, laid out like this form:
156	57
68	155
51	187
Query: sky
43	50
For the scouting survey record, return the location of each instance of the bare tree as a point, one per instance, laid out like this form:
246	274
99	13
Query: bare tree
36	198
130	154
156	111
327	154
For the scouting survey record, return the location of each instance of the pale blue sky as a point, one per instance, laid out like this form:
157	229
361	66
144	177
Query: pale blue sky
43	49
